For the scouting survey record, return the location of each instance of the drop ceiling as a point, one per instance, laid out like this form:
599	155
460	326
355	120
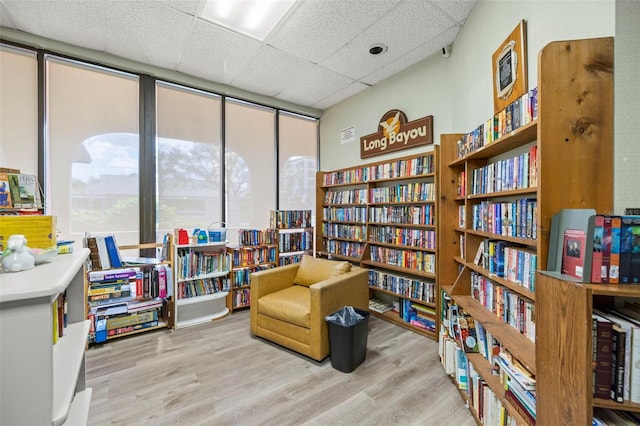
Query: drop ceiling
317	56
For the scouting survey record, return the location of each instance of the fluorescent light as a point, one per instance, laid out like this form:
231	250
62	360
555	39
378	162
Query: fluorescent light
254	18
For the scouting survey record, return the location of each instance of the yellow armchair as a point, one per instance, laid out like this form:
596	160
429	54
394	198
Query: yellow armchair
289	303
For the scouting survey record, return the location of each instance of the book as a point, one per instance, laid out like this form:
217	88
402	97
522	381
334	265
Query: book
103	252
5	191
577	219
626	249
614	259
574	253
606	249
618	362
603	366
94	255
468	336
113	251
593	263
25	191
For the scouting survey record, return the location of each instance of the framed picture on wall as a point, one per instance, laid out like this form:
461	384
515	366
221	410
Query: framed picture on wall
509	63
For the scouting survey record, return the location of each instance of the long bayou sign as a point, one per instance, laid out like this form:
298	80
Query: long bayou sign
396	133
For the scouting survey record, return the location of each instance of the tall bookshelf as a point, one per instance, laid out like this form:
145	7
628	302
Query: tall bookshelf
257	250
382	216
573	136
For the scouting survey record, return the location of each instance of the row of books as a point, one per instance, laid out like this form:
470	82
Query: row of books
202	287
513	219
256	237
241	298
517	114
124	318
242	277
296	241
107	287
247	256
595	248
407	215
514	263
404	286
345	214
20	191
289	219
506	175
509	306
353	196
423	238
488	407
410	259
399	168
290	259
341	230
192	264
59	315
344	248
417	191
420	316
616	353
461	334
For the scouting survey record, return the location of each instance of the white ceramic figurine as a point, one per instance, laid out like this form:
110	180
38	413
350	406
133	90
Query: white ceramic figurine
17	256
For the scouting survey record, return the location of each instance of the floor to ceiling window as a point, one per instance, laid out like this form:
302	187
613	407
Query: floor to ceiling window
18	109
92	150
189	160
250	164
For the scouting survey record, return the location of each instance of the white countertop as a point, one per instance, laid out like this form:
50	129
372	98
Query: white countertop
47	279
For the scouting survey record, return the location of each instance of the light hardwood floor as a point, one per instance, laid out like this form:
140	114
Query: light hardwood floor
218	374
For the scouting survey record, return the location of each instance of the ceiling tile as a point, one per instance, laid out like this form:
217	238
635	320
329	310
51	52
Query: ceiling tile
456	9
216	54
320	27
67	21
153	31
341	95
270	71
317	84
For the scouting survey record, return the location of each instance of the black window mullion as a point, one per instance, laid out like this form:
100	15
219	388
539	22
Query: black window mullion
148	181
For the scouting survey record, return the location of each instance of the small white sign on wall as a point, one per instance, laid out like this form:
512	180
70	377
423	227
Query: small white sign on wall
348	135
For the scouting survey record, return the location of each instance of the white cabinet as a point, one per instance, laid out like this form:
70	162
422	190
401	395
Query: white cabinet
201	283
42	383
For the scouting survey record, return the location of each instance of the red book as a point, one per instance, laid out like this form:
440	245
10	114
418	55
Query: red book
573	253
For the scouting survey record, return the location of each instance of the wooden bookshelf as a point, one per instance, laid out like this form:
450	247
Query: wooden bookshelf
356	213
295	234
573	135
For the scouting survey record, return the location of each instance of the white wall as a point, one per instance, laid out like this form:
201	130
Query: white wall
457	90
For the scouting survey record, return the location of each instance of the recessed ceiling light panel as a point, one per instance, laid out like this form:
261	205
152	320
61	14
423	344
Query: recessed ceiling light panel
254	18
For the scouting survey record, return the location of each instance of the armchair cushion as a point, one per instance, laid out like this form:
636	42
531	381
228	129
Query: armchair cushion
313	270
291	305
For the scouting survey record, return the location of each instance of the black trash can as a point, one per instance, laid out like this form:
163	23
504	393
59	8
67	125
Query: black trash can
348	338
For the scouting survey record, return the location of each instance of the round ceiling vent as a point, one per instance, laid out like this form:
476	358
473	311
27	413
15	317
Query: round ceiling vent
378	49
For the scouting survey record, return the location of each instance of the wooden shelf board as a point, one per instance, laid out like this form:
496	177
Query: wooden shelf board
400	269
502	281
608	403
521	136
339	256
518	344
351	240
531	190
393	317
618	290
400	246
402	225
253	265
391	293
518	240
